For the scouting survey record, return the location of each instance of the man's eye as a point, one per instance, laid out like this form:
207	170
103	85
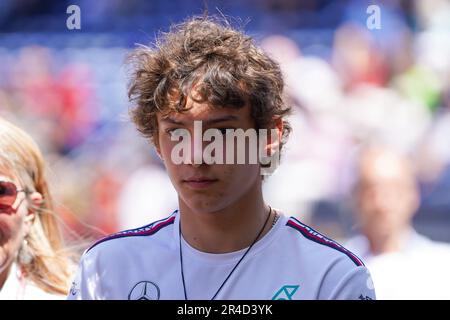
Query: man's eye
224	130
177	132
173	130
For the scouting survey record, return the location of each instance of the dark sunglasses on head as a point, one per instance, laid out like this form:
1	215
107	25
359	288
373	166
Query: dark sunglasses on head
8	194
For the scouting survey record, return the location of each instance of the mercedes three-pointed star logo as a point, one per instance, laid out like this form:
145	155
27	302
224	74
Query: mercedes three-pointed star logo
144	290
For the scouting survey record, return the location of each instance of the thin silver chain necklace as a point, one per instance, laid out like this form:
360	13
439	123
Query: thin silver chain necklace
234	268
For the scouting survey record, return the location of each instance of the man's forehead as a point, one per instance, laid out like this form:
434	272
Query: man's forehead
205	113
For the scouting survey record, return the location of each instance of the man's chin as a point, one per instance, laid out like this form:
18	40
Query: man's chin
204	205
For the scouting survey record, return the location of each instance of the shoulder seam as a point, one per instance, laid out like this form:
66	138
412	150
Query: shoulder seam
147	230
315	236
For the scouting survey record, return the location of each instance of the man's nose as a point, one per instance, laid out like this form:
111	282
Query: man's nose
195	156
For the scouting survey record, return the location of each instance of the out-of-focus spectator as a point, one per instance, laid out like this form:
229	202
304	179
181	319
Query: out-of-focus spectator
62	99
33	261
403	263
381	114
357	58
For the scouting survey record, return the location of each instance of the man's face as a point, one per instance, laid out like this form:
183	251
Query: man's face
387	196
206	187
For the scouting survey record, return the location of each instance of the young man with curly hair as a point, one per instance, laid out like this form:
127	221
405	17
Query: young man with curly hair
202	83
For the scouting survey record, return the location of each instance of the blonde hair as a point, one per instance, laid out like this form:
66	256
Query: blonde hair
51	266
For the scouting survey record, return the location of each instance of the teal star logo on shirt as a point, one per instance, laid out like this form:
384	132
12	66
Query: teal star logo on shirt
286	292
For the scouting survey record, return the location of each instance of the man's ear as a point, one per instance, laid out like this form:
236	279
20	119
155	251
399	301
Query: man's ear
274	142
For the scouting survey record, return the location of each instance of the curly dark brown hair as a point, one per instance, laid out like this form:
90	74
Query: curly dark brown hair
225	66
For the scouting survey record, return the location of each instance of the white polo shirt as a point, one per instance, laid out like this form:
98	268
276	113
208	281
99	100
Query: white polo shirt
291	262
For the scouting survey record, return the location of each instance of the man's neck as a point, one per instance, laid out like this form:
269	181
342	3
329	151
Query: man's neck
392	242
230	229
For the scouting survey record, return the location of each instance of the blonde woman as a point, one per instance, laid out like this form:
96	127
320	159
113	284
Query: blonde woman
33	262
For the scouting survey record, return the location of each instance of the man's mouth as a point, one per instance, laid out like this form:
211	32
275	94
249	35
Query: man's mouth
200	182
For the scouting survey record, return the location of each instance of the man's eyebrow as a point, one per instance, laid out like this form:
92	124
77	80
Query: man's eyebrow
221	119
207	122
170	120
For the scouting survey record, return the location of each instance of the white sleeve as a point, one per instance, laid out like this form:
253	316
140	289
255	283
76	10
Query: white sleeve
355	284
86	284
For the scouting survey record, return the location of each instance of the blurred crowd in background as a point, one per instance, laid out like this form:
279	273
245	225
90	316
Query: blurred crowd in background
349	86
